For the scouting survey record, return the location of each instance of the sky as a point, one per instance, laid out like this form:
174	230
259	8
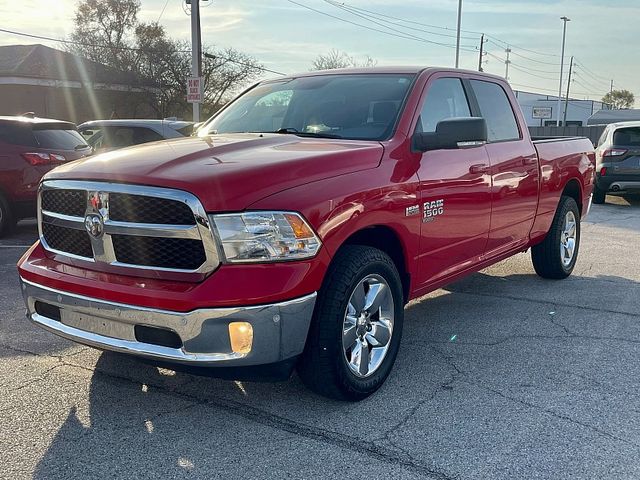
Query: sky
287	35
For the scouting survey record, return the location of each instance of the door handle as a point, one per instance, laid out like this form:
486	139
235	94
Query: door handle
479	168
532	160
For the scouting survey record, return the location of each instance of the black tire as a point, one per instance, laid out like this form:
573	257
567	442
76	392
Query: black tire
599	196
7	221
323	366
547	256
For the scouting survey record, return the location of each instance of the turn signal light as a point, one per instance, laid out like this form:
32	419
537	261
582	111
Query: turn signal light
241	336
38	158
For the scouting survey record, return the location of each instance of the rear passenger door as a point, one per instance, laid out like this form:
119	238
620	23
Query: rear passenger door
514	169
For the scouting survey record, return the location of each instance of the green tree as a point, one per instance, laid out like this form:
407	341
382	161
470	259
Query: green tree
108	32
619	99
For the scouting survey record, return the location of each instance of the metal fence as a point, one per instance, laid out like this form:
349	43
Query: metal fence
592	132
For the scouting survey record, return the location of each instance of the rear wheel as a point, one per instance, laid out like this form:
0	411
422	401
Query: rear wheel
357	325
556	256
7	221
599	195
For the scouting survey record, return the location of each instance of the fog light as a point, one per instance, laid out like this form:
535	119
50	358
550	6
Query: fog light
241	336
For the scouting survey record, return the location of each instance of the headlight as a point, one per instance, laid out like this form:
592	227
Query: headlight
264	236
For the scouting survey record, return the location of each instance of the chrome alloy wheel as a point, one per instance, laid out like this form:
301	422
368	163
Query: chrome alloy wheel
568	239
368	325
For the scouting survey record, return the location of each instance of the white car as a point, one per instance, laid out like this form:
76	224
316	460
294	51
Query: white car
105	135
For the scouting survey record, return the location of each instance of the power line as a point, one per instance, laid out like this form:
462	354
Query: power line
524	56
511	45
162	12
381	15
368	18
531	74
213	57
133	49
402	35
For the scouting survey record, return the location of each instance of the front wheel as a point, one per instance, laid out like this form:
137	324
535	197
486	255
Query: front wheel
556	256
356	328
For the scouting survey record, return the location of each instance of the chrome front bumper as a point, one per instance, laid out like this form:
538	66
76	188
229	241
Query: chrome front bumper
279	330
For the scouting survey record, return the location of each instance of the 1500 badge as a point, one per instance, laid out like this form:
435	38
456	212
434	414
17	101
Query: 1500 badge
432	210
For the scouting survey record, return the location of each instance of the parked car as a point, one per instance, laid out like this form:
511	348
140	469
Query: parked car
299	223
618	160
29	148
105	135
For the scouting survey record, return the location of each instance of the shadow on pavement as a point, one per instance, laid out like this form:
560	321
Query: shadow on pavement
150	422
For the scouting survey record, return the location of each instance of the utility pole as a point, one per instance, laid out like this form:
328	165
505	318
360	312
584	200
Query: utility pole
611	91
566	101
482	42
458	33
196	51
507	62
564	37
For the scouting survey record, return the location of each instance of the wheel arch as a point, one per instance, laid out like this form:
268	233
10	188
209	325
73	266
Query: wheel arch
389	241
573	189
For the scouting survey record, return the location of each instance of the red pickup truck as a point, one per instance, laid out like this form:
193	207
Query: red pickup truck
293	230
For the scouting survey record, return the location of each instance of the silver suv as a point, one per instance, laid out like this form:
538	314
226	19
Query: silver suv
106	135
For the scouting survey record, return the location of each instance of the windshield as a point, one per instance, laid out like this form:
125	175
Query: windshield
358	107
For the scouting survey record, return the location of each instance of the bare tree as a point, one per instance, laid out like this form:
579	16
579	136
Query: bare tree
108	32
338	59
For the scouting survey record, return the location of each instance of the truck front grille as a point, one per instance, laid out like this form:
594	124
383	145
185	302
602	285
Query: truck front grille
126	226
181	253
141	209
69	240
67	202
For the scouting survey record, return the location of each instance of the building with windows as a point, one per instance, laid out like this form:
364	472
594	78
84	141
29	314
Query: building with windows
56	84
540	109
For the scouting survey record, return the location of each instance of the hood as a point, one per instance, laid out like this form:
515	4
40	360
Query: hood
227	172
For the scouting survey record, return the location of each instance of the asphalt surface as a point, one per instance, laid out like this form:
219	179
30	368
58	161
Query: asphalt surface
501	375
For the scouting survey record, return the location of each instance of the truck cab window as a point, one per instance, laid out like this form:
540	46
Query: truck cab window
445	99
496	110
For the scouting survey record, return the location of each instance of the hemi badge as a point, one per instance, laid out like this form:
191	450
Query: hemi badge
412	210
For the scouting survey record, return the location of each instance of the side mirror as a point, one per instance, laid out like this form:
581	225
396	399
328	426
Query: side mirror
453	133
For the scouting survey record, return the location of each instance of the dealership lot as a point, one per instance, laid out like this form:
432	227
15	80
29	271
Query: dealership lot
501	375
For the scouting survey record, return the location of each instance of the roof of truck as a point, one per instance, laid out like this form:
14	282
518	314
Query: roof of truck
398	70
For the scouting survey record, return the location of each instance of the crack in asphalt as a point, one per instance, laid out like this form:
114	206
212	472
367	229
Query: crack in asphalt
542	302
464	377
32	381
356	445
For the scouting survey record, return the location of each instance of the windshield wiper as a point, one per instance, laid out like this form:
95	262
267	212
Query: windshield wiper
293	131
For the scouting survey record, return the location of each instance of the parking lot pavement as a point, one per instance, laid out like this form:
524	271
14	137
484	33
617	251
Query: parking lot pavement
501	375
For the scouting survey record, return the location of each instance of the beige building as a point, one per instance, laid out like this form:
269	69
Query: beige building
56	84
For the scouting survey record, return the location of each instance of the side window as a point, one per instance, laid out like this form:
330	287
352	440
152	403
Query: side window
496	110
445	99
603	137
17	135
144	135
122	137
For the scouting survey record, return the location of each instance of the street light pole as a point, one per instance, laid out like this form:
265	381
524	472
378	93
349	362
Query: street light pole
458	33
564	37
